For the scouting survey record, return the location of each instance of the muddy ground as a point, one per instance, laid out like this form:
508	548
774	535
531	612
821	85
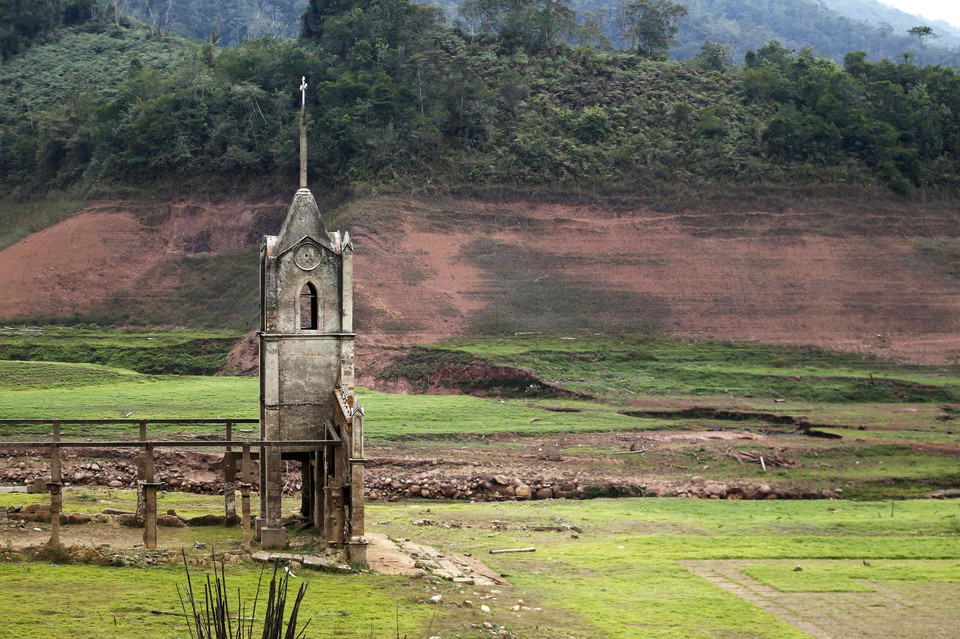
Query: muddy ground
496	467
840	276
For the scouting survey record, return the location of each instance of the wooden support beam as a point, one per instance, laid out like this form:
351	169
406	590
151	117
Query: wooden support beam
150	520
55	484
245	487
150	495
172	443
141	477
229	488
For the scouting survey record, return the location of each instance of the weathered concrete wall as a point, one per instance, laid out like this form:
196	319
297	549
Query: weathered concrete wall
302	363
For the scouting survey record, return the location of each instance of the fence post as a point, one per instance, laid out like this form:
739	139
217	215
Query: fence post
245	499
229	481
55	484
150	494
141	478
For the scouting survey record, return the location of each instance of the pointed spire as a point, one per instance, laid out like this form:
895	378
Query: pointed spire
303	132
303	220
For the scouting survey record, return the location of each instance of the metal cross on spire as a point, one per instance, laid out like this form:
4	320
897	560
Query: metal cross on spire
303	132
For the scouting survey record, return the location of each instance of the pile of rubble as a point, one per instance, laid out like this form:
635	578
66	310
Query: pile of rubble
490	487
479	487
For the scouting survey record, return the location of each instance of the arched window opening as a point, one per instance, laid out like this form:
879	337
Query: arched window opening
308	308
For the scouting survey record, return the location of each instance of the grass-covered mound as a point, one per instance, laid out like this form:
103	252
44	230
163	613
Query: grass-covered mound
149	352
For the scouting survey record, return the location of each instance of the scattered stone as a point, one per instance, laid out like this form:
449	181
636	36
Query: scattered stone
436	599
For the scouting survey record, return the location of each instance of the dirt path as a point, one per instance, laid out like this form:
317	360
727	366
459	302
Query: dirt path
881	613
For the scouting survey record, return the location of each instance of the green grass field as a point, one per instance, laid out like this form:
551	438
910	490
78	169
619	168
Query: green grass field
887	449
180	352
622	576
625	367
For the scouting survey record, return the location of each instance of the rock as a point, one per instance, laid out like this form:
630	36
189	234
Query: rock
487	624
170	521
436	599
373	496
75	518
764	489
509	491
115	484
35	508
414	490
523	491
206	520
696	479
485	608
568	486
468	604
94	467
129	520
502	480
545	493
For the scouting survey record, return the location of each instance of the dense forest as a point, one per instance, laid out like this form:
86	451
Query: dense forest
398	96
831	27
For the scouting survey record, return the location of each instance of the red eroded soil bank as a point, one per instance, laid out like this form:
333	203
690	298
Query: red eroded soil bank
849	277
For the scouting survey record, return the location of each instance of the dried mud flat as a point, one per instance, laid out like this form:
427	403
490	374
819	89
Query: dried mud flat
486	468
931	608
833	276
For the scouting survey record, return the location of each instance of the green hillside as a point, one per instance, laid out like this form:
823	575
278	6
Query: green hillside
396	97
833	28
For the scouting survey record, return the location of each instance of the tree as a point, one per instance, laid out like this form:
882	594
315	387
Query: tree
714	56
591	33
649	25
532	25
923	33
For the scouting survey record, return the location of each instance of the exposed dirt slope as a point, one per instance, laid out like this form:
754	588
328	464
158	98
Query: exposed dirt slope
842	276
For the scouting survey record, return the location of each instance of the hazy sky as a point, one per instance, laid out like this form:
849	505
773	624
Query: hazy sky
948	10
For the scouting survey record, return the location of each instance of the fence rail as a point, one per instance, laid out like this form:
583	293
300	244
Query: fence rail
131	421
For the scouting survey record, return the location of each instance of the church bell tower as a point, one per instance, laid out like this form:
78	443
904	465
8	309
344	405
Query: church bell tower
306	375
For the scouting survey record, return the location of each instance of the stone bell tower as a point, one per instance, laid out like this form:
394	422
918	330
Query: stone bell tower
307	399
